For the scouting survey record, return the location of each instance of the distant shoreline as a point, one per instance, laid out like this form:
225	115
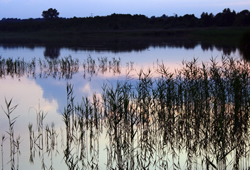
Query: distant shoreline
223	35
226	27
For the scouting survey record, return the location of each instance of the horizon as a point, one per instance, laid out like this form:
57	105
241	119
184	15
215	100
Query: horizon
41	17
68	9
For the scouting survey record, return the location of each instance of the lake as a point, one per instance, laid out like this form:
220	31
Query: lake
66	116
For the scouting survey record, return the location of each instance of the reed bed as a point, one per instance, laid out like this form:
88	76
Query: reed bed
201	111
17	67
64	68
196	117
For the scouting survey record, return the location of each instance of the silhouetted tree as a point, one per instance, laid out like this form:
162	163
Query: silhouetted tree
242	18
189	20
226	18
50	14
207	20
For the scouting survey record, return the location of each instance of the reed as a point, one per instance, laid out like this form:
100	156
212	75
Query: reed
2	141
42	140
71	124
31	134
63	68
51	141
14	143
17	67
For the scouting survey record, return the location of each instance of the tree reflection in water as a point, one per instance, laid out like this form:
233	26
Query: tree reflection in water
52	52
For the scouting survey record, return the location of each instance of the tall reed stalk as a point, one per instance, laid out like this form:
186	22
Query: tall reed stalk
2	153
14	144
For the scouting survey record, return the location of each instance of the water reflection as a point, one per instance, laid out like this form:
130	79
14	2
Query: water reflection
52	52
197	117
117	45
17	67
43	140
202	112
63	68
245	52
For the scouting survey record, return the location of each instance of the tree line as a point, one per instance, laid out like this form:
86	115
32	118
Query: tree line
52	21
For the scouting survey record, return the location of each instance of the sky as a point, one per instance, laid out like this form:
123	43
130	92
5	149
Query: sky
25	9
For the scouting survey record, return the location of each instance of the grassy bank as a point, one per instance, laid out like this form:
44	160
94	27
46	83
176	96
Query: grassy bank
226	36
230	36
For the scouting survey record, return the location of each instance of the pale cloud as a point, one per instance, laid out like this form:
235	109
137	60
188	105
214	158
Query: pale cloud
86	89
29	97
89	92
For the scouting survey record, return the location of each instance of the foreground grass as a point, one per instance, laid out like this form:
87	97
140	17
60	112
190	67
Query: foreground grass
200	111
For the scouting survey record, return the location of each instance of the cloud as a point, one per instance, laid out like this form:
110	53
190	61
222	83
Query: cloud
86	89
28	95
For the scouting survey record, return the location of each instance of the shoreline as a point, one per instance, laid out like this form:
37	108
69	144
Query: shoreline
226	35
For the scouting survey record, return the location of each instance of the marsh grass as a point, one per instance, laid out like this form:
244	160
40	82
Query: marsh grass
196	117
64	68
83	125
102	65
70	120
51	143
200	110
17	67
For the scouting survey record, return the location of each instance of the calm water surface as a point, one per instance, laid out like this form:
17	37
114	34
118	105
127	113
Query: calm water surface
45	92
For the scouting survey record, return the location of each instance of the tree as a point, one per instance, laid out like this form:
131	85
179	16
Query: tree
207	19
242	18
226	18
50	14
